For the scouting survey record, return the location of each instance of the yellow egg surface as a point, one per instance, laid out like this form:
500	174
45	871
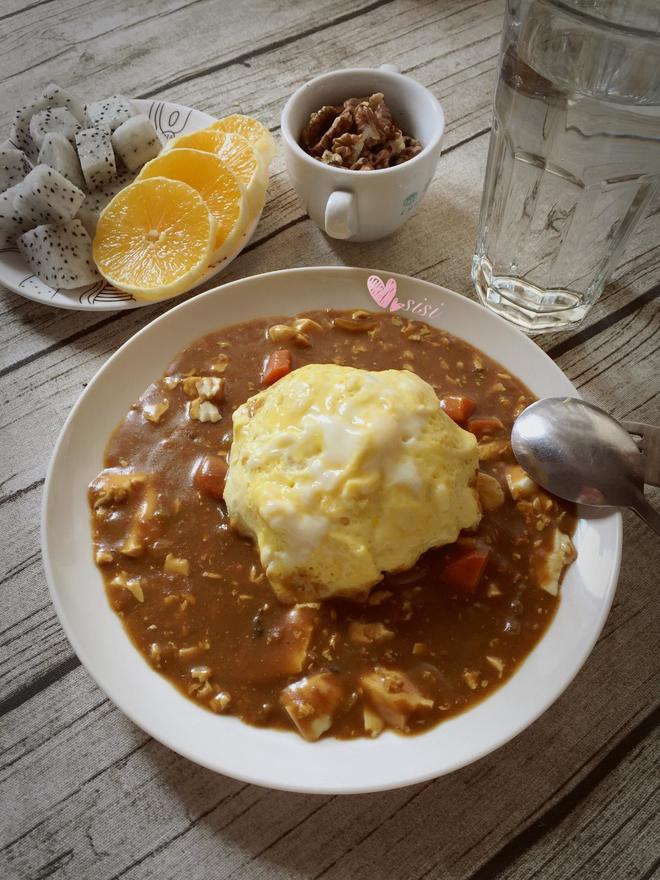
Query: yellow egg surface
341	474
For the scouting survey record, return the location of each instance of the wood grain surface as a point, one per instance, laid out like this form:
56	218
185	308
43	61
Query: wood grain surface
85	793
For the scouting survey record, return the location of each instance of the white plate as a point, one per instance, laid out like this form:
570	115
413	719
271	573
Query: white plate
278	759
170	120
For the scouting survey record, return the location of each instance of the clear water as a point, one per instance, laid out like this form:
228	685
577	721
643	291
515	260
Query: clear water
574	160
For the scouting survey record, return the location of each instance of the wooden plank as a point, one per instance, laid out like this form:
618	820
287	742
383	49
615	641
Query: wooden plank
88	794
92	785
171	45
136	46
613	834
38	396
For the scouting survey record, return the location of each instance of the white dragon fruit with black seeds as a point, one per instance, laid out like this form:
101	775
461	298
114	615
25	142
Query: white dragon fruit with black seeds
19	133
96	201
58	153
97	158
110	111
12	222
136	141
60	254
14	165
56	96
46	196
53	119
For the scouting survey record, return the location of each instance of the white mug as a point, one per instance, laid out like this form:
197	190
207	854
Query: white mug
363	205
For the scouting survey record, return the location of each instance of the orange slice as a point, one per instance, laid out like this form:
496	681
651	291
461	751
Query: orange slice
154	238
217	185
252	131
239	156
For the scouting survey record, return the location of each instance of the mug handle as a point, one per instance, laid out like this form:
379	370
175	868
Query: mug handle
341	215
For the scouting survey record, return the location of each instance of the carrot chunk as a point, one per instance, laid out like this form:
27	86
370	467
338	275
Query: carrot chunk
482	427
277	365
458	407
210	476
464	569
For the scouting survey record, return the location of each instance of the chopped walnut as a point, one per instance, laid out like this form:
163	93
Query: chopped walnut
189	385
360	135
368	633
112	486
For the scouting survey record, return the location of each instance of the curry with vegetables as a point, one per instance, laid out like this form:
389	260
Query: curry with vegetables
424	644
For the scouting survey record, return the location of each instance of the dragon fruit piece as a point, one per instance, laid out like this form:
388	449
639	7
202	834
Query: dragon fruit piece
56	96
110	111
58	153
14	166
136	141
96	201
19	134
60	254
12	222
53	119
46	196
96	155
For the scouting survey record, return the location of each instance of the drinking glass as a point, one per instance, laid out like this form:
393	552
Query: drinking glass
574	156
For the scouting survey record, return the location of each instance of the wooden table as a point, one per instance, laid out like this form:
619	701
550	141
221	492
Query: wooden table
85	793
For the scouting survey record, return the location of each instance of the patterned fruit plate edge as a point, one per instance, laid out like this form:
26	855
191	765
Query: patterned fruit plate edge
170	120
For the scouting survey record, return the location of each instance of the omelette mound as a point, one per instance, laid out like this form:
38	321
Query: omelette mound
341	474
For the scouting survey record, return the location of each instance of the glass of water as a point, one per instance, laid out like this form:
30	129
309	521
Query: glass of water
574	156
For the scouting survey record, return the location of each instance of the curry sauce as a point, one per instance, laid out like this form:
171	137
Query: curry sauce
426	644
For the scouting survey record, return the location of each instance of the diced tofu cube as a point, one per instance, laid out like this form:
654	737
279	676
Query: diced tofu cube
282	650
393	696
552	561
312	703
520	485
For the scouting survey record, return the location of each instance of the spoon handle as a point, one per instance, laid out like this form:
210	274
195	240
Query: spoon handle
647	513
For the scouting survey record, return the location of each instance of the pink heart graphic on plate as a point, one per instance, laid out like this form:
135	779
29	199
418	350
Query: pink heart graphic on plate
384	294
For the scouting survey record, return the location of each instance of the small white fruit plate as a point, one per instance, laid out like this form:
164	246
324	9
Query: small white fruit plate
255	754
170	120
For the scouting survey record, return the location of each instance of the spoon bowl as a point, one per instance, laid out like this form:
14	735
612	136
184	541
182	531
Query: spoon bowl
580	453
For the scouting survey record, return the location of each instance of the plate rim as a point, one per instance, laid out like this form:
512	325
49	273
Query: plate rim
151	727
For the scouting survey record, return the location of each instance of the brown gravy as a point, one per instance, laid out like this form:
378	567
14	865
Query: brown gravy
195	601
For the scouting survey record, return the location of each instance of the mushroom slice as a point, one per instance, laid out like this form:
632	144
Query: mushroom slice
491	494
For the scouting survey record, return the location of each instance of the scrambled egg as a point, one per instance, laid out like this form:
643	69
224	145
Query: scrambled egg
341	474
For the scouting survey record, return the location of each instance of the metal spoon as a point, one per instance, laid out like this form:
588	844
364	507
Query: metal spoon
580	453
